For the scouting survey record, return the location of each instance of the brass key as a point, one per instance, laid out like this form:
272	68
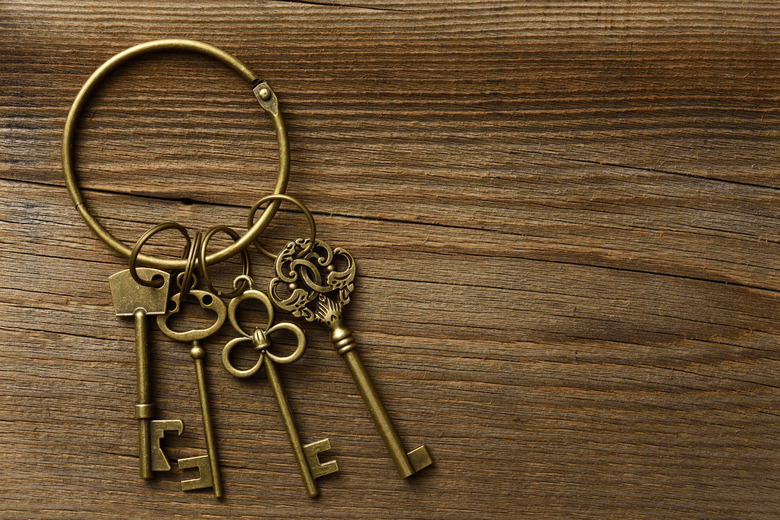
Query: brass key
139	301
208	464
309	285
306	456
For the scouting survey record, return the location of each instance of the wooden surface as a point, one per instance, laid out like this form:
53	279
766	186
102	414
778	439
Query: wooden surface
565	216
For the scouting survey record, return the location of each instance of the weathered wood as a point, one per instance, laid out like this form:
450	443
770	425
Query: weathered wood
565	217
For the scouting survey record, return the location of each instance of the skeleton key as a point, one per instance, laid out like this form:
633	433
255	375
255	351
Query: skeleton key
318	291
136	300
306	456
207	464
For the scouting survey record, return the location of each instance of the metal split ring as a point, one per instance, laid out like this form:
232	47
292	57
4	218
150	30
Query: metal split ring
265	97
135	252
245	274
186	280
281	197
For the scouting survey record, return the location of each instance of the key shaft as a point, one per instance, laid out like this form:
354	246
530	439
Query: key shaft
289	426
198	353
143	408
407	464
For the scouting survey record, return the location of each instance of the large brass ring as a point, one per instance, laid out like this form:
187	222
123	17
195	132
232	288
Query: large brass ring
267	100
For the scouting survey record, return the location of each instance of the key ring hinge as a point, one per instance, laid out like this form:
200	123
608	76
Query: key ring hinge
266	97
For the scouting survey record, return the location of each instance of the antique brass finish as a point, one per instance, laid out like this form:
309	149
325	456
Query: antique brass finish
133	258
318	468
132	299
313	281
309	464
260	337
306	456
198	353
312	226
187	280
205	474
209	302
318	291
268	102
157	432
204	268
265	96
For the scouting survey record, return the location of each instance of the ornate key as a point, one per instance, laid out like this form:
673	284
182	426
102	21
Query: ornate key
136	300
207	464
310	286
306	456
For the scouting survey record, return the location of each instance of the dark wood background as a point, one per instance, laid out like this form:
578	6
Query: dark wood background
565	216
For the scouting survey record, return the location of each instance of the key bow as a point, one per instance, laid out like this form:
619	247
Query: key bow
208	302
260	337
314	286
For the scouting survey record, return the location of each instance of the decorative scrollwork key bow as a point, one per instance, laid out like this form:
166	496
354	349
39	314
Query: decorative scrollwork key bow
313	277
310	284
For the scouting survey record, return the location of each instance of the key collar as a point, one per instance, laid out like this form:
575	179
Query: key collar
265	97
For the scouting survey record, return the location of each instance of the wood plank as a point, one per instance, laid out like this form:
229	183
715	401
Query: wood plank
565	218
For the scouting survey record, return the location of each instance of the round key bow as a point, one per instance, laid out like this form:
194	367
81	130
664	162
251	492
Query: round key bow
260	337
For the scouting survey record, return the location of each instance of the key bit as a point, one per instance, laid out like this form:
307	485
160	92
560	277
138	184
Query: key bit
204	480
319	469
157	432
133	299
420	457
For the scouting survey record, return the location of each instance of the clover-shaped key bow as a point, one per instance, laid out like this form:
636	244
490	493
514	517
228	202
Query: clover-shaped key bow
260	337
306	456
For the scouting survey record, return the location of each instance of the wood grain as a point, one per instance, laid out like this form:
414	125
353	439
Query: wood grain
565	217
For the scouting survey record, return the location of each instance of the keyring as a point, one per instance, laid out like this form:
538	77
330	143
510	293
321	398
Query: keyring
250	220
265	97
135	252
245	272
185	282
